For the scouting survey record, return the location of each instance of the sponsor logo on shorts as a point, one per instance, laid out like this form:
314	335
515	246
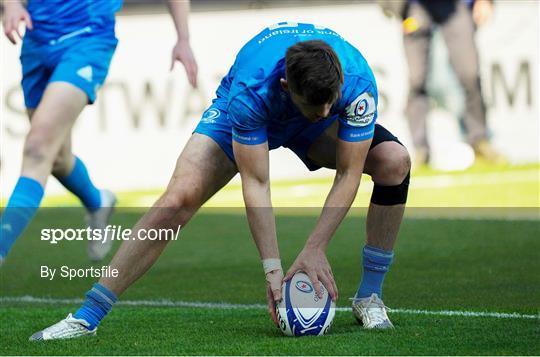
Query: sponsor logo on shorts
210	116
361	111
304	286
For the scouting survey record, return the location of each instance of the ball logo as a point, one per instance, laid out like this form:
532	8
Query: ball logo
362	107
298	314
304	286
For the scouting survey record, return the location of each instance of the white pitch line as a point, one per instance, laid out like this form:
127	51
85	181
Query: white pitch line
226	306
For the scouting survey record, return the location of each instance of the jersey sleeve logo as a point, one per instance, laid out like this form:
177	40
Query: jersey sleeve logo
209	116
361	111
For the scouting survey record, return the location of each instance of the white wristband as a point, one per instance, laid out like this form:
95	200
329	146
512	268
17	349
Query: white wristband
271	265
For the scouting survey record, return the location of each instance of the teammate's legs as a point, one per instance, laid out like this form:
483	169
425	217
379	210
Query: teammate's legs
388	164
201	170
64	163
72	173
80	67
51	124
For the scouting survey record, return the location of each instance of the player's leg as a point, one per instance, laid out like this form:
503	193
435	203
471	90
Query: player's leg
388	164
417	35
51	124
458	32
84	62
201	170
72	173
74	178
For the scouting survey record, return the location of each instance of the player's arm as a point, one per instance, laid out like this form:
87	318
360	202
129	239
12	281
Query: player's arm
248	114
253	165
350	159
14	14
252	162
182	50
355	133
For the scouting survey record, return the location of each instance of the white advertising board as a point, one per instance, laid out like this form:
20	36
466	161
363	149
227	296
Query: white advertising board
131	137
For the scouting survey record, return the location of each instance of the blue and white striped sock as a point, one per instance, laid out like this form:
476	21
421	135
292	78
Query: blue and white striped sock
376	263
99	302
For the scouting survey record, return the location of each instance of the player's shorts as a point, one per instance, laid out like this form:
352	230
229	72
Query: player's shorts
215	124
82	60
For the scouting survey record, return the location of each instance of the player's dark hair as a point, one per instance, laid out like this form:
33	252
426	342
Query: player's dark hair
314	72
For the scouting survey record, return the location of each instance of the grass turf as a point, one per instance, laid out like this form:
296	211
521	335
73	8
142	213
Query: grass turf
441	264
185	331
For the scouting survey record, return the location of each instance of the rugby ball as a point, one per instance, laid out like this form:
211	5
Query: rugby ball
301	312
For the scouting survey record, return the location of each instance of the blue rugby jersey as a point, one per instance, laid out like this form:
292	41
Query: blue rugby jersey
258	106
53	19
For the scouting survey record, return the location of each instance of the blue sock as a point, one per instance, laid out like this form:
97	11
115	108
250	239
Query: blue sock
20	209
79	183
376	263
98	303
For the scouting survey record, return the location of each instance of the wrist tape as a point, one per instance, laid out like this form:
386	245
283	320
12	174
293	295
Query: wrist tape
271	265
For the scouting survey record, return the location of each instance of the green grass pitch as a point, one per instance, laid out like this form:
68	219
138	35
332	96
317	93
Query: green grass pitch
441	264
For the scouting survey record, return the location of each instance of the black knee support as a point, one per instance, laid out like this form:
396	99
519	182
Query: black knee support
391	195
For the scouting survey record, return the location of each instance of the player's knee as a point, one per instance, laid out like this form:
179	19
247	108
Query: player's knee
394	168
392	176
176	200
401	167
176	207
36	149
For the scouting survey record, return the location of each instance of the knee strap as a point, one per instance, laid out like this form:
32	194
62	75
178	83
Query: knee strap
391	195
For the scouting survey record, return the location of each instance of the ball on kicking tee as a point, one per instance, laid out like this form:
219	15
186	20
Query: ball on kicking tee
301	312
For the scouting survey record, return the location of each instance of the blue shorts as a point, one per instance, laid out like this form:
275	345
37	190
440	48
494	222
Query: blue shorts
82	60
297	136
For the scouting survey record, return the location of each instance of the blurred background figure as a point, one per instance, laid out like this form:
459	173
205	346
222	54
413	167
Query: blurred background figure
456	21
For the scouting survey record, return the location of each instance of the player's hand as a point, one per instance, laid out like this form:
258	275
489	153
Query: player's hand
314	263
182	52
482	11
14	14
274	280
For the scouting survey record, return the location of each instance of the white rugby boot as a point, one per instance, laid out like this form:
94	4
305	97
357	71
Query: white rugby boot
69	327
371	312
99	219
